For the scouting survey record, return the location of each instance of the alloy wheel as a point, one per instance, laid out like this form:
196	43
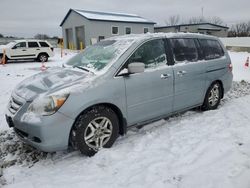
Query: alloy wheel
43	58
98	132
214	95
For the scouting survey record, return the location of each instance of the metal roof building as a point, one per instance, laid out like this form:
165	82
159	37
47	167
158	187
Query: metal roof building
203	28
81	28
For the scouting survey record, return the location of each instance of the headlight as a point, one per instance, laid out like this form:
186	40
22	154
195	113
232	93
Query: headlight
47	105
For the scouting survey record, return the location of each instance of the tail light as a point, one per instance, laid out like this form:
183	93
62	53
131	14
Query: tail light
52	49
230	67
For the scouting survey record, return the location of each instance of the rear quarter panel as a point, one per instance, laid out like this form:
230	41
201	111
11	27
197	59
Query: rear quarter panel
218	69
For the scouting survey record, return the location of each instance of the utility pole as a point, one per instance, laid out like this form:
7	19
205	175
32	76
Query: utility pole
202	12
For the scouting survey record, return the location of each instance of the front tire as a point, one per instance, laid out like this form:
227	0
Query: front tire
95	129
213	97
42	57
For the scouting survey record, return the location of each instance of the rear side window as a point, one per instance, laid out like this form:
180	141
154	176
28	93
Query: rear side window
211	49
43	44
33	45
184	50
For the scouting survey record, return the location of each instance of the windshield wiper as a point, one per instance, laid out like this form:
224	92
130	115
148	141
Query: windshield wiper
83	68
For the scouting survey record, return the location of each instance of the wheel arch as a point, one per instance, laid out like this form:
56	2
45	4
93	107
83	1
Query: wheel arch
42	53
121	118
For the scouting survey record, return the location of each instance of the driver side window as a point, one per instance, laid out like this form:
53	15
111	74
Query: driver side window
151	53
20	45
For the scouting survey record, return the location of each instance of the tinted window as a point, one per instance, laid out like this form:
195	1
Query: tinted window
211	48
184	50
115	30
152	54
43	44
101	38
33	44
21	45
128	30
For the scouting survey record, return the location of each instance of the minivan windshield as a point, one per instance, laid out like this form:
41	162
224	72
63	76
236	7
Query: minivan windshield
99	55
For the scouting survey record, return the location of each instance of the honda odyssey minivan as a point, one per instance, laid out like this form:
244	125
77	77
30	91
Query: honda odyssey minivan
117	83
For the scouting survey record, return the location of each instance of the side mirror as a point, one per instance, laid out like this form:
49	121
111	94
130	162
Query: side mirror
14	47
136	67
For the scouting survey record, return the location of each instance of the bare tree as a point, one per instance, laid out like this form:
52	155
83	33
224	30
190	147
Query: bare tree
196	20
173	20
232	32
216	20
41	36
241	29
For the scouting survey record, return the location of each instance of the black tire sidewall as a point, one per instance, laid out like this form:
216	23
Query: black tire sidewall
39	57
82	123
206	105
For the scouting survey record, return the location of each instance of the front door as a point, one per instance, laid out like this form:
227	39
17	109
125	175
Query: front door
149	94
19	51
189	74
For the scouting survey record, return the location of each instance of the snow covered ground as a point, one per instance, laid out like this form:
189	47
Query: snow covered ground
192	150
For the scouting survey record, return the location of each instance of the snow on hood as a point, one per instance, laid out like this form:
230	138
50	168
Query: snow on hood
49	81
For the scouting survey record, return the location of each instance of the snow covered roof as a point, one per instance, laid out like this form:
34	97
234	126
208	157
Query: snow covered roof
109	16
220	26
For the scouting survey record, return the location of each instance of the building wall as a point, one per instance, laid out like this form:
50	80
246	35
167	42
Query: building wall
100	28
74	20
194	29
94	29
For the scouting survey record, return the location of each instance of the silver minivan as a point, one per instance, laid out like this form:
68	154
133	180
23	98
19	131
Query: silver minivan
117	83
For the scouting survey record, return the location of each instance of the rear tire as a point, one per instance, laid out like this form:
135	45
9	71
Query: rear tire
42	57
95	129
213	97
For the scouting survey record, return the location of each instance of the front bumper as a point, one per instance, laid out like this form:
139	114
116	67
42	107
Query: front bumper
46	133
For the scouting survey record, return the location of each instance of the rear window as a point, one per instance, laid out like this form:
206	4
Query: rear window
33	44
43	44
211	49
184	49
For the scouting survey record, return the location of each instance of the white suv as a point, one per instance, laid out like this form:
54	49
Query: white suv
28	49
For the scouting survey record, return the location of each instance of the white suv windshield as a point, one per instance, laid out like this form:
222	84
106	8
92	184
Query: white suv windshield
99	55
10	44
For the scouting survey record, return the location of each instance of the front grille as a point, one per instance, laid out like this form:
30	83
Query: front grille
14	105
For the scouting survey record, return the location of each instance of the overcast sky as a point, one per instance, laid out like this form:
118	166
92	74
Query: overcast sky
28	17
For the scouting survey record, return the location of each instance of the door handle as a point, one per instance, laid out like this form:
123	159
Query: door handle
165	76
181	73
38	49
24	50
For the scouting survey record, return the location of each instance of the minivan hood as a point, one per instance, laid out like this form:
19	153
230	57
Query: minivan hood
49	81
